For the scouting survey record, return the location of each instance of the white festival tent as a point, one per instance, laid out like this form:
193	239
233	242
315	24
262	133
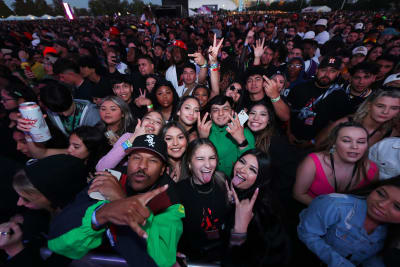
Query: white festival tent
316	9
31	17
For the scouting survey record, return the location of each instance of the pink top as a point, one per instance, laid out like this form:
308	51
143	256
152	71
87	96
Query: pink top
115	155
321	186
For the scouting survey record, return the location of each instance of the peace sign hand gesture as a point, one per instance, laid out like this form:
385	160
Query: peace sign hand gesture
243	212
142	100
203	126
214	49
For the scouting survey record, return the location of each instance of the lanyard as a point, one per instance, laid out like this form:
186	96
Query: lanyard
334	175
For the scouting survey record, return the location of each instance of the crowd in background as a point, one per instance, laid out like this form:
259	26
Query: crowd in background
243	140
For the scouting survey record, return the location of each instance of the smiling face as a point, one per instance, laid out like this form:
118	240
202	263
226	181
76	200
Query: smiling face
351	144
203	164
220	114
124	91
176	142
189	112
152	123
258	118
110	113
164	96
245	172
383	204
233	91
384	109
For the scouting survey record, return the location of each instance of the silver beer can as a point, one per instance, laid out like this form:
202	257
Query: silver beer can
39	131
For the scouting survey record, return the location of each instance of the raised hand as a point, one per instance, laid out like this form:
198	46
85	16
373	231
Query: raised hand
259	48
235	129
243	212
131	211
139	130
271	87
204	126
107	185
214	49
198	58
142	100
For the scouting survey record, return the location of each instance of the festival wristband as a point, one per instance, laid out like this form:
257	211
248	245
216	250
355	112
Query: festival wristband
95	223
205	65
274	100
150	106
127	144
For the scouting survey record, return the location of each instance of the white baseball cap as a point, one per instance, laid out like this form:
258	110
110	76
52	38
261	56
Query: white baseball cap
322	22
359	26
360	50
309	35
392	78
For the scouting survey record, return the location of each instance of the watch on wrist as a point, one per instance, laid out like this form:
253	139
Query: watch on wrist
244	143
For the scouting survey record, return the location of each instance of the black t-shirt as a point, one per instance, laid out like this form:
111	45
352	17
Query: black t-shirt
137	112
307	115
348	103
103	88
84	91
205	215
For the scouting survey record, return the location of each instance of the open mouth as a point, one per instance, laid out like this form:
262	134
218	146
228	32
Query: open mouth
238	179
149	129
206	175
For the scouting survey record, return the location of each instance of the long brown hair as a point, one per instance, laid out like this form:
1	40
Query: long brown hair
328	145
364	109
263	137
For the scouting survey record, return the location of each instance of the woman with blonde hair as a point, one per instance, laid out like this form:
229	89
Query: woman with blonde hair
341	165
377	114
116	118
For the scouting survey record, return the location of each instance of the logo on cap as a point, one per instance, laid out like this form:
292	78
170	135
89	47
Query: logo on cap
332	60
149	139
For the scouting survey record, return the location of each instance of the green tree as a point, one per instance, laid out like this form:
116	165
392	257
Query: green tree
57	8
20	8
5	11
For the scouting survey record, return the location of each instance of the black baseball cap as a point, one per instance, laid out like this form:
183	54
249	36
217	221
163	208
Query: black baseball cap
150	142
331	61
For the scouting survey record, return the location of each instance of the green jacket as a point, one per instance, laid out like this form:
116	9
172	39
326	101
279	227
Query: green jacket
163	230
227	148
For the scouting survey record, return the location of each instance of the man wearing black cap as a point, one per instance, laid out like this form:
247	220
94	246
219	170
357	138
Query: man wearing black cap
156	231
310	107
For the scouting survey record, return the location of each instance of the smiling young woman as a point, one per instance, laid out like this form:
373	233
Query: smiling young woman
341	166
352	229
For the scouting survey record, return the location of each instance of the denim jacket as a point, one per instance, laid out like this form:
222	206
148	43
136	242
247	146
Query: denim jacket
332	228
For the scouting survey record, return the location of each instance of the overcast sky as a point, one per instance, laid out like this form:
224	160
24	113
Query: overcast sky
83	3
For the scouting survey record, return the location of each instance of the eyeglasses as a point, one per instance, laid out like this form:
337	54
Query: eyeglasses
297	66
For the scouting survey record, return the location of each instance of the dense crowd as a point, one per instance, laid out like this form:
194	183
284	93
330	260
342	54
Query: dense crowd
243	140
